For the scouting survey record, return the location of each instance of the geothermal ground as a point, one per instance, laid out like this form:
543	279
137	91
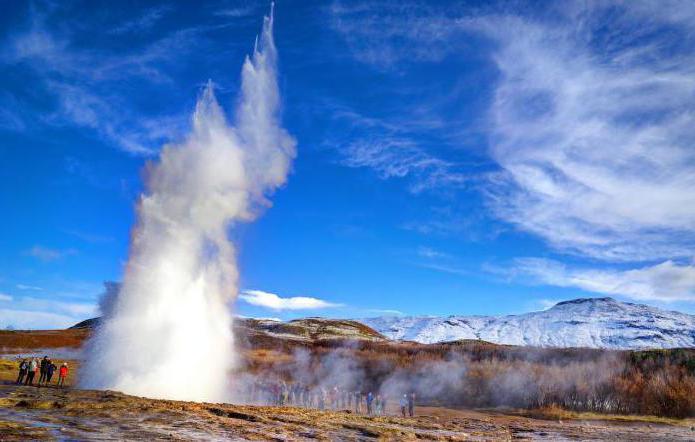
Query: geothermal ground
66	414
49	413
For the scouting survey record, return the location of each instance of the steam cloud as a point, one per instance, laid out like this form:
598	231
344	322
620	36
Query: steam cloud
173	310
577	379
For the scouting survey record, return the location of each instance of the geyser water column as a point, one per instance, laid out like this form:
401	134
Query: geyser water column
168	333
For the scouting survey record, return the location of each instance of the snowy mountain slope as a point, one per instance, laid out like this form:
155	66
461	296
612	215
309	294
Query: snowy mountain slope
592	322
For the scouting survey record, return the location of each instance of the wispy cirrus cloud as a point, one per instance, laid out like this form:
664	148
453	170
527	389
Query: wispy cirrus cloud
89	87
143	22
668	281
48	254
238	12
589	120
393	157
276	302
589	124
90	237
390	149
379	311
28	287
386	34
442	262
430	253
595	140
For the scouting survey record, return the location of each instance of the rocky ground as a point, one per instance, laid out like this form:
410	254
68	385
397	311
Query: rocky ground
30	413
49	413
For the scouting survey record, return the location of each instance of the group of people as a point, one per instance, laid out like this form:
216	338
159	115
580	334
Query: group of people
279	393
45	368
324	398
408	402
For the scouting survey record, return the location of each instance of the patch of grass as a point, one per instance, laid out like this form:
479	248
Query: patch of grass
559	413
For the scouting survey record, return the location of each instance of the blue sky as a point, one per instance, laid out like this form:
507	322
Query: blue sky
453	158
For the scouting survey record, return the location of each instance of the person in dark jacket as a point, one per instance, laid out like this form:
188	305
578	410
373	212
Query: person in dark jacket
23	367
43	369
49	373
411	404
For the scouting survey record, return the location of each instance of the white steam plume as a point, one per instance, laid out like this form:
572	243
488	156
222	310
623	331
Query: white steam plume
168	334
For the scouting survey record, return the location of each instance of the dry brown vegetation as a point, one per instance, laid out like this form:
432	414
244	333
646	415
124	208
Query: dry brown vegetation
465	373
28	340
478	374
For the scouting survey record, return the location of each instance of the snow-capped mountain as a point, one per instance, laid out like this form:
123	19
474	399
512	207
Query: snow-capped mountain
592	322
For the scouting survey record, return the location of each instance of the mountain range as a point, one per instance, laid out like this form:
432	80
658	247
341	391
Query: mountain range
586	322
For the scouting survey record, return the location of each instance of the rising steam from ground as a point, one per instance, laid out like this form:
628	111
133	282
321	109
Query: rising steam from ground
168	333
574	379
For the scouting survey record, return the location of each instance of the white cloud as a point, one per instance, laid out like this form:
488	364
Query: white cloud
27	319
275	302
143	22
84	84
93	238
260	318
395	157
667	281
430	253
438	261
595	140
380	311
73	309
590	120
28	287
4	297
390	150
41	313
235	12
385	36
545	304
47	254
445	268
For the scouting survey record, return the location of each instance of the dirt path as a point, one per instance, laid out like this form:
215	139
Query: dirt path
55	414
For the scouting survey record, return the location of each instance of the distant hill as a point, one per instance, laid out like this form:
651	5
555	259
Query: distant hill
308	329
87	323
586	322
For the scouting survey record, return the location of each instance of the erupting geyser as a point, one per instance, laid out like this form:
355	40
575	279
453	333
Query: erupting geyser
168	334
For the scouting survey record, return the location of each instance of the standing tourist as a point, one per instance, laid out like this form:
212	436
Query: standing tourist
43	367
370	400
411	404
62	374
404	404
31	371
49	371
22	371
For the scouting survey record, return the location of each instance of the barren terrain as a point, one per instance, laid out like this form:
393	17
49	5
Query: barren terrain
50	413
65	414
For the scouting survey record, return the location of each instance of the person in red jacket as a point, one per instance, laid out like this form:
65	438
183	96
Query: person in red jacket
62	374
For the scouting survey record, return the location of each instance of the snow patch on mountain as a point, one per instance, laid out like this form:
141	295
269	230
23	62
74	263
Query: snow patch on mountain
586	322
